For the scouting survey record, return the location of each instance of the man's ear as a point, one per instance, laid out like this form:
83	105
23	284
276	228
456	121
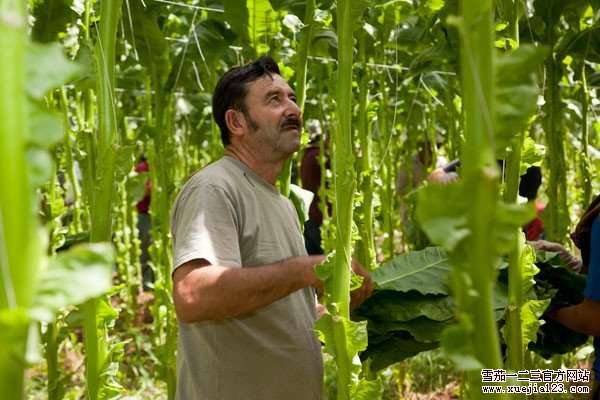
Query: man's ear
235	121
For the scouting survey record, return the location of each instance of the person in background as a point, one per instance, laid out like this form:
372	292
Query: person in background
144	224
585	316
418	173
528	188
446	174
310	176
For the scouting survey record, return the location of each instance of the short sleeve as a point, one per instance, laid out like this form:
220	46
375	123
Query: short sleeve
592	288
205	225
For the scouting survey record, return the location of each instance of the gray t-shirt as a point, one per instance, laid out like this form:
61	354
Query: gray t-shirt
231	217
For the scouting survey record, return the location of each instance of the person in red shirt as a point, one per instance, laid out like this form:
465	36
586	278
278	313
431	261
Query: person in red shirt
144	224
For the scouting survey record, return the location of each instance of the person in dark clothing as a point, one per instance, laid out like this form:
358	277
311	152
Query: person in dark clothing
144	224
310	174
528	188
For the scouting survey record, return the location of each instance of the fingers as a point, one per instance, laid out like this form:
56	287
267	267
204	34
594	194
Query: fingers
358	296
309	264
321	310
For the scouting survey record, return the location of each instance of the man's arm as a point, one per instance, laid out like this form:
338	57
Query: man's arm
583	317
202	291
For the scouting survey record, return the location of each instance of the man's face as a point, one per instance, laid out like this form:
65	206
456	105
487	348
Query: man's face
273	117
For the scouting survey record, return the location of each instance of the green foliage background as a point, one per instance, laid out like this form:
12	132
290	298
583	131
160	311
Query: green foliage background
75	123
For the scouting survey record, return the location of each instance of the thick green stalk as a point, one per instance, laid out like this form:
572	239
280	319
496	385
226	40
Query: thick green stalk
384	168
107	137
76	225
557	221
344	195
17	227
453	131
103	188
514	333
344	160
51	341
135	269
301	69
481	177
366	172
162	197
50	337
303	52
19	246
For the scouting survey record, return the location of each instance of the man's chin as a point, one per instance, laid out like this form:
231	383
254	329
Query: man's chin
291	148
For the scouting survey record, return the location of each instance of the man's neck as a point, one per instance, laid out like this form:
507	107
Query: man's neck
268	170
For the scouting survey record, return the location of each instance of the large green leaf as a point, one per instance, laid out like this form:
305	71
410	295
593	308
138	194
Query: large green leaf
508	218
584	45
516	93
441	211
356	333
424	271
51	18
393	350
458	346
532	154
422	329
529	269
46	128
144	33
48	68
301	199
215	39
367	390
388	305
14	324
355	340
549	10
39	166
358	8
531	311
72	277
251	20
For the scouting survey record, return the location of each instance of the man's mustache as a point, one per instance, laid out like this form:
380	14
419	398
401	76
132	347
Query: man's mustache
292	122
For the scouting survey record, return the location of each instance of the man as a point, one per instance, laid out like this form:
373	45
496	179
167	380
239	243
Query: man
243	286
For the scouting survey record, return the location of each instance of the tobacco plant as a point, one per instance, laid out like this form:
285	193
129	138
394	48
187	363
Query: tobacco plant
476	228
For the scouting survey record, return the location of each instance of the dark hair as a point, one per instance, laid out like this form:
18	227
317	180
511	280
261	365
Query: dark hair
231	89
583	231
530	183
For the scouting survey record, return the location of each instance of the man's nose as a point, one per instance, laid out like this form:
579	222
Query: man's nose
293	109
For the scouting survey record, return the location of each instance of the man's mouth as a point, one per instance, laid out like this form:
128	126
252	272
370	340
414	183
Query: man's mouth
291	124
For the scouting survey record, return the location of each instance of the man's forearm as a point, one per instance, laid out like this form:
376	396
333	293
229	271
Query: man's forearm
214	292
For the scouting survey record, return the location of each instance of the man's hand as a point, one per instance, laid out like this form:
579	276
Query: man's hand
362	293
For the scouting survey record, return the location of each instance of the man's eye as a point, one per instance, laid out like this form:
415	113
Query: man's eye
274	99
294	99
